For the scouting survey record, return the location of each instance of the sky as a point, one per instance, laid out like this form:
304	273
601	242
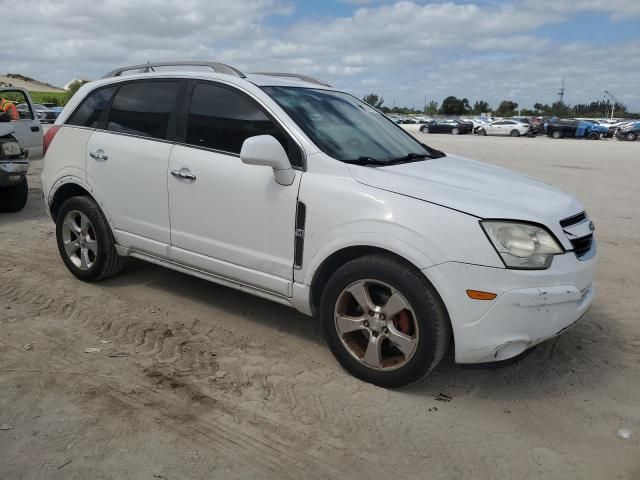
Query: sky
405	51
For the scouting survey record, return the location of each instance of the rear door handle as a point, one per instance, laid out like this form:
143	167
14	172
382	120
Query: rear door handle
99	155
183	173
35	129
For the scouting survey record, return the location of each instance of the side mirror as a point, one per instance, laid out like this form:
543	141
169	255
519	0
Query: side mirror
265	150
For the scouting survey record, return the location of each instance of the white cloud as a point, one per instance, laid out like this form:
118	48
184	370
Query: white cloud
402	49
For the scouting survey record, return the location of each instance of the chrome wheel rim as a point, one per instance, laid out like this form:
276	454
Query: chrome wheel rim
376	325
79	240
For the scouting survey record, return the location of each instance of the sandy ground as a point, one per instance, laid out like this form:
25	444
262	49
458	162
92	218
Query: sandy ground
196	381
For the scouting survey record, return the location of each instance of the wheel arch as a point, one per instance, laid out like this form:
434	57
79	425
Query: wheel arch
68	187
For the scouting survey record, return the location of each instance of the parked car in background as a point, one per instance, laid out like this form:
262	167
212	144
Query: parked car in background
55	108
399	249
629	131
559	128
504	127
447	125
45	115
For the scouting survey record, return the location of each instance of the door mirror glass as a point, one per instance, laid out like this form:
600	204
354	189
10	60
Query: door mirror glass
15	104
266	151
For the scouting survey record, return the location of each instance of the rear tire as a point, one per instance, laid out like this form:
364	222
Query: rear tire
85	241
455	131
482	132
424	322
631	136
556	134
593	136
14	197
515	133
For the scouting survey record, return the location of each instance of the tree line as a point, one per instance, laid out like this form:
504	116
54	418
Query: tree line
507	108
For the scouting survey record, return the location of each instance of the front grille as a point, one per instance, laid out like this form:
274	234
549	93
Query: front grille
580	234
581	246
573	220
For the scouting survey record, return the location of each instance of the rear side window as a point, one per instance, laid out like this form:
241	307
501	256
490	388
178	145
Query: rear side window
89	112
143	108
222	119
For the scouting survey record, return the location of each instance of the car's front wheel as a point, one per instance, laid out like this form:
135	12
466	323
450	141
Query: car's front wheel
424	129
455	131
482	131
85	241
556	134
631	136
383	321
14	198
593	136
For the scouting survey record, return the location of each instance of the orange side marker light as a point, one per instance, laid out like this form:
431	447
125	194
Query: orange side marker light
478	295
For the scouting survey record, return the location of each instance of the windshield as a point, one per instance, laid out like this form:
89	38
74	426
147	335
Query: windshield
345	128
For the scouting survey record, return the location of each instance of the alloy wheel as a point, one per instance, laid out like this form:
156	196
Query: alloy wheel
376	325
79	239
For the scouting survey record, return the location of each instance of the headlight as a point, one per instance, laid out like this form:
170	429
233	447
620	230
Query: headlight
521	245
10	149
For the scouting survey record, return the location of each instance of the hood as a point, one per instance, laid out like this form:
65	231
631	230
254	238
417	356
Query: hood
475	188
6	128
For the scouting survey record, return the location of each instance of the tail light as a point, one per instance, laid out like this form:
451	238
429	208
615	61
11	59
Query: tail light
48	138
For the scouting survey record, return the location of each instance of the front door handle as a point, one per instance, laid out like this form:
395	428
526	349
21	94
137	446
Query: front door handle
35	129
183	173
99	155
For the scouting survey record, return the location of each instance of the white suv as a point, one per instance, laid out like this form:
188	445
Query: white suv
286	188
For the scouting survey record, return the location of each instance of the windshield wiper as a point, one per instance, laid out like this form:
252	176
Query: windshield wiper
367	161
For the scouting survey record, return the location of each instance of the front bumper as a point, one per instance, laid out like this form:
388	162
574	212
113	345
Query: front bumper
531	306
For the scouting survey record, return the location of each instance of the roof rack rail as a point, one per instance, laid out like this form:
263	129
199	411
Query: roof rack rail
299	76
145	67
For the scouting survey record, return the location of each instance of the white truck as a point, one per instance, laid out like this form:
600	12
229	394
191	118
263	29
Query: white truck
21	140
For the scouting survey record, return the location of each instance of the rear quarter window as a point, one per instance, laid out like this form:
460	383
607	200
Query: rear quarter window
89	112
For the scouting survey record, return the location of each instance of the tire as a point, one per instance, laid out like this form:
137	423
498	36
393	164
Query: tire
482	132
14	198
425	321
631	136
455	131
556	134
593	136
515	133
101	261
424	129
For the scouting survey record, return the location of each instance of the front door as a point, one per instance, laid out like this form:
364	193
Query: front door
28	130
228	218
127	162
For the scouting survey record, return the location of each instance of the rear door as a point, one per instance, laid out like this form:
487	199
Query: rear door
28	130
127	162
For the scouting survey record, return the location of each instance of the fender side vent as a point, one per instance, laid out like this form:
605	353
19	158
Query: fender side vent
298	246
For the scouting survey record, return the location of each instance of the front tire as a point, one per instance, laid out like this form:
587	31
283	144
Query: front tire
593	136
383	321
482	132
455	131
556	134
631	136
85	241
424	129
14	197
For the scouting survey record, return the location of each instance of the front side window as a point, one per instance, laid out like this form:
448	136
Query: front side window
343	127
14	106
143	108
222	119
89	112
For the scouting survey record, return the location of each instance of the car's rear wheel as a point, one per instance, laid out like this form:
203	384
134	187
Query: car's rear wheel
14	197
383	321
556	134
85	241
631	136
455	131
593	136
515	133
